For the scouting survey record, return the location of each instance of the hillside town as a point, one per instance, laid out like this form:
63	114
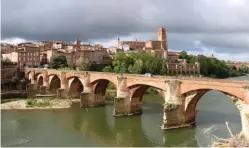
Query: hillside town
41	53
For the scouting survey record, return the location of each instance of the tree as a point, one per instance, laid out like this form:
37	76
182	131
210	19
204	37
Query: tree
72	65
183	55
6	61
59	61
83	64
108	69
244	69
137	68
163	68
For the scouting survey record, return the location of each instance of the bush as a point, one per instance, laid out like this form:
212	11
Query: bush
108	69
59	61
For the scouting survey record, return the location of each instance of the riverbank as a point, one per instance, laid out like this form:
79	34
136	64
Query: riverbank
49	104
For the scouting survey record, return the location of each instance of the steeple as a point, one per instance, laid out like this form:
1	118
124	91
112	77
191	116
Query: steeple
77	44
119	43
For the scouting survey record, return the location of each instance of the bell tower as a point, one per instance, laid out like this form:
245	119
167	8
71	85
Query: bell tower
161	36
77	44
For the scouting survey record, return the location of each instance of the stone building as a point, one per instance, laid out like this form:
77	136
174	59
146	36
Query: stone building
73	51
26	54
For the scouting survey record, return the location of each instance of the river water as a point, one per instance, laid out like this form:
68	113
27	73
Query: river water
97	127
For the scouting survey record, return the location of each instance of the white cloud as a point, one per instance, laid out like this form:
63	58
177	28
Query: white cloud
14	41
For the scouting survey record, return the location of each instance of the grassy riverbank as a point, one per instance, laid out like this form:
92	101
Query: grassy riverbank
41	103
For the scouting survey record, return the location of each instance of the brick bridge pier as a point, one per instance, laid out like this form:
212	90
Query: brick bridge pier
181	95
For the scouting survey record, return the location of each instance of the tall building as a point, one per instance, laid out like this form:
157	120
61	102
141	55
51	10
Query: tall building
161	34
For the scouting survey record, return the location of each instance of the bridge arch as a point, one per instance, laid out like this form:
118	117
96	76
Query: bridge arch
100	85
40	80
29	75
236	92
138	91
195	96
75	86
54	83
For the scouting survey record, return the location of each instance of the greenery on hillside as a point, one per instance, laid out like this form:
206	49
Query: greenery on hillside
212	67
137	63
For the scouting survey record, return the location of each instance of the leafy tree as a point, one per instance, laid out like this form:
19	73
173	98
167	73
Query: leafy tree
212	67
139	63
83	64
183	55
72	65
164	67
108	69
137	68
59	61
244	69
6	61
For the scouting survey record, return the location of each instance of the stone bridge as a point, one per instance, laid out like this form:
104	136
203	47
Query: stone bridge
181	94
237	65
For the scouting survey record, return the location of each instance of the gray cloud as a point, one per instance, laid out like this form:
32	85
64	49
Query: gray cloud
222	24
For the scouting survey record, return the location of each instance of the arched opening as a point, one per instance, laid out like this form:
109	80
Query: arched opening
103	87
29	76
211	109
55	83
40	82
75	88
147	98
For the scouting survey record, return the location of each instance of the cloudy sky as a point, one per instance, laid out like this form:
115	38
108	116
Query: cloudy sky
219	27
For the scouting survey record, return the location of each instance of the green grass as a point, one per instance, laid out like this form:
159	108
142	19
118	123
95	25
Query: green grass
36	103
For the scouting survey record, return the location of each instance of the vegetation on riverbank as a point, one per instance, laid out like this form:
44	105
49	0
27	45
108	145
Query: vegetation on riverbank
144	62
41	103
137	63
37	103
214	68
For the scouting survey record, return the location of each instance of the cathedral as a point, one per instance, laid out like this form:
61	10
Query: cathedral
159	47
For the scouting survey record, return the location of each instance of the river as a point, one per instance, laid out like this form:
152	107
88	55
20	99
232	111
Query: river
97	127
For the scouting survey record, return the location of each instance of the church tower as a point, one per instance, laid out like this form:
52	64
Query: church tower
119	43
161	36
77	44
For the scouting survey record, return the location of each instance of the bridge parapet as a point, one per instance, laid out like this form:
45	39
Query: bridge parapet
143	76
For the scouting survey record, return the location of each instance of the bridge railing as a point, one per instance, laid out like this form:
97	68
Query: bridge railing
153	76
